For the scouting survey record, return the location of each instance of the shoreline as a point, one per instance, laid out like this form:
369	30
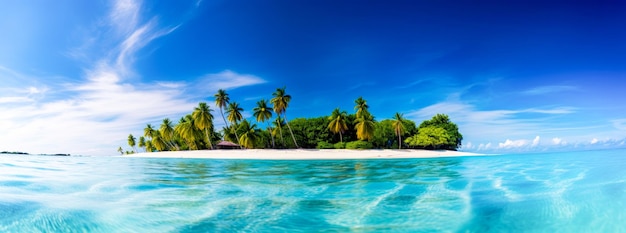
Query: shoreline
304	154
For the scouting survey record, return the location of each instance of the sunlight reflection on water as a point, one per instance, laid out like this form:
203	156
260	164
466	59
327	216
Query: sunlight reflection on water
568	192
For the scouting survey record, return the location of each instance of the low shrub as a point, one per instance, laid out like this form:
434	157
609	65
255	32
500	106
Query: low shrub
359	145
325	145
340	145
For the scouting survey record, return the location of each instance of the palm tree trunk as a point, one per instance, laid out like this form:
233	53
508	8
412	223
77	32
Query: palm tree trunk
269	128
280	130
206	132
174	142
290	131
223	118
169	145
340	137
399	141
237	136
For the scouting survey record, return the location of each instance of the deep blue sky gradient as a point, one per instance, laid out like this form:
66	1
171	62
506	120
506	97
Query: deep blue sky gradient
520	69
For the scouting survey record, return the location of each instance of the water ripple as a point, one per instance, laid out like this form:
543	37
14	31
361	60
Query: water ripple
574	192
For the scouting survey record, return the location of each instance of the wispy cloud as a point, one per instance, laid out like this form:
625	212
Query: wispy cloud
124	15
536	141
486	126
548	89
228	79
14	99
96	113
360	85
513	143
619	124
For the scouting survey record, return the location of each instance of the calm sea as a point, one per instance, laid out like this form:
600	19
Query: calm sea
559	192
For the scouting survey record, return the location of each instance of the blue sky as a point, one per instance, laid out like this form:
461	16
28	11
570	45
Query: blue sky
516	76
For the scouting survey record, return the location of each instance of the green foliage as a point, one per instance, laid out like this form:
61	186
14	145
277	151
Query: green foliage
131	141
264	140
443	121
365	127
430	137
365	124
385	137
262	111
309	131
340	145
281	102
338	123
359	145
339	130
249	134
221	101
325	145
203	120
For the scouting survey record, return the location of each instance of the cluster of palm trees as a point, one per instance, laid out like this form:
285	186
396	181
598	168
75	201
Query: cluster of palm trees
365	125
196	130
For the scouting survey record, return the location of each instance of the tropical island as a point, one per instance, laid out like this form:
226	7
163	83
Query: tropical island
26	153
339	130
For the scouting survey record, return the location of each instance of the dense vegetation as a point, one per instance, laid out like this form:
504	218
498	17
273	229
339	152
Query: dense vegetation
339	130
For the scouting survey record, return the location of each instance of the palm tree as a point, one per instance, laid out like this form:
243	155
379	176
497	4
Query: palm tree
249	134
279	123
229	134
149	146
262	112
167	132
234	116
142	143
158	142
187	130
221	101
131	142
398	127
361	107
203	120
365	127
149	131
338	122
281	102
119	149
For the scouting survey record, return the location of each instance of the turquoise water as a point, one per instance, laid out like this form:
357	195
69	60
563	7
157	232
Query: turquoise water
561	192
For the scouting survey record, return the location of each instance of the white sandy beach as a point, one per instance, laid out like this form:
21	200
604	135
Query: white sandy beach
303	154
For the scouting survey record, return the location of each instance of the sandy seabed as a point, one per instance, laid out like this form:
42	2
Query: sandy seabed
303	154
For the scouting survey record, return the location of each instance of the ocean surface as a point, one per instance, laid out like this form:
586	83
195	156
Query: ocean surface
558	192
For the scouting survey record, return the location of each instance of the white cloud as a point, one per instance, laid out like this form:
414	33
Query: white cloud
124	15
594	141
228	80
14	99
536	141
619	124
173	85
512	144
95	114
482	147
492	125
558	141
96	118
548	89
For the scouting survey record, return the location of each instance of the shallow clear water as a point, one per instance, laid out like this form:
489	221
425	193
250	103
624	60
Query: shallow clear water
564	192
